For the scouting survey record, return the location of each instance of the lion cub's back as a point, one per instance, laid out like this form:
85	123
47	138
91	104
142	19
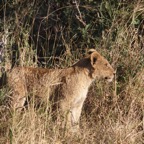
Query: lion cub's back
38	81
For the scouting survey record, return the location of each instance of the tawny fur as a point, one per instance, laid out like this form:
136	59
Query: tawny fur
70	84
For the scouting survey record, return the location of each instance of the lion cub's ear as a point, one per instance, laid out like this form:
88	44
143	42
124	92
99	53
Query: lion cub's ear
94	56
90	51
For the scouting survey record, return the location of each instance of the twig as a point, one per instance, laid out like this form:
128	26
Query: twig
79	17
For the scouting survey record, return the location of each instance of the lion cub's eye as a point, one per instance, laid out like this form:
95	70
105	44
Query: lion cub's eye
106	64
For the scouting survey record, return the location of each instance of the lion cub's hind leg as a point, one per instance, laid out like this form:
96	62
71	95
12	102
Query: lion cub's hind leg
18	92
18	98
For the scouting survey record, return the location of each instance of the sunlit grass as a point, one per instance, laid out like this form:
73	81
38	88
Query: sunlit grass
113	113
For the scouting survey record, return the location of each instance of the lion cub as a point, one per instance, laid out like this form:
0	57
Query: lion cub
68	86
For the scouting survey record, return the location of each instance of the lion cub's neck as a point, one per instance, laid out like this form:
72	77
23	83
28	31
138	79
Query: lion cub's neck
84	66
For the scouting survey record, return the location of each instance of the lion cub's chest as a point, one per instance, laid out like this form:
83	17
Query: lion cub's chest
76	88
81	96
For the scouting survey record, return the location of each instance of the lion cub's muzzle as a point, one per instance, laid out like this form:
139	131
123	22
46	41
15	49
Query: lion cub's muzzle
110	78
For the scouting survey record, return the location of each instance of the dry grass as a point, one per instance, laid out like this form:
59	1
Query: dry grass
112	113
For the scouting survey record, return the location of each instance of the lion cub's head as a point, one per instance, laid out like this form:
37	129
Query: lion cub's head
100	67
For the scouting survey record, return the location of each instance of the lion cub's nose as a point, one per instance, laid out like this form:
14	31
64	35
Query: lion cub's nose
106	78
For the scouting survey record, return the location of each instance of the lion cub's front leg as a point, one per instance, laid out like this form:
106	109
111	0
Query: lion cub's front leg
76	113
72	113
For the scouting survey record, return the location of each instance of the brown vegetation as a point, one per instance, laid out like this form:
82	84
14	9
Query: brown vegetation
55	34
